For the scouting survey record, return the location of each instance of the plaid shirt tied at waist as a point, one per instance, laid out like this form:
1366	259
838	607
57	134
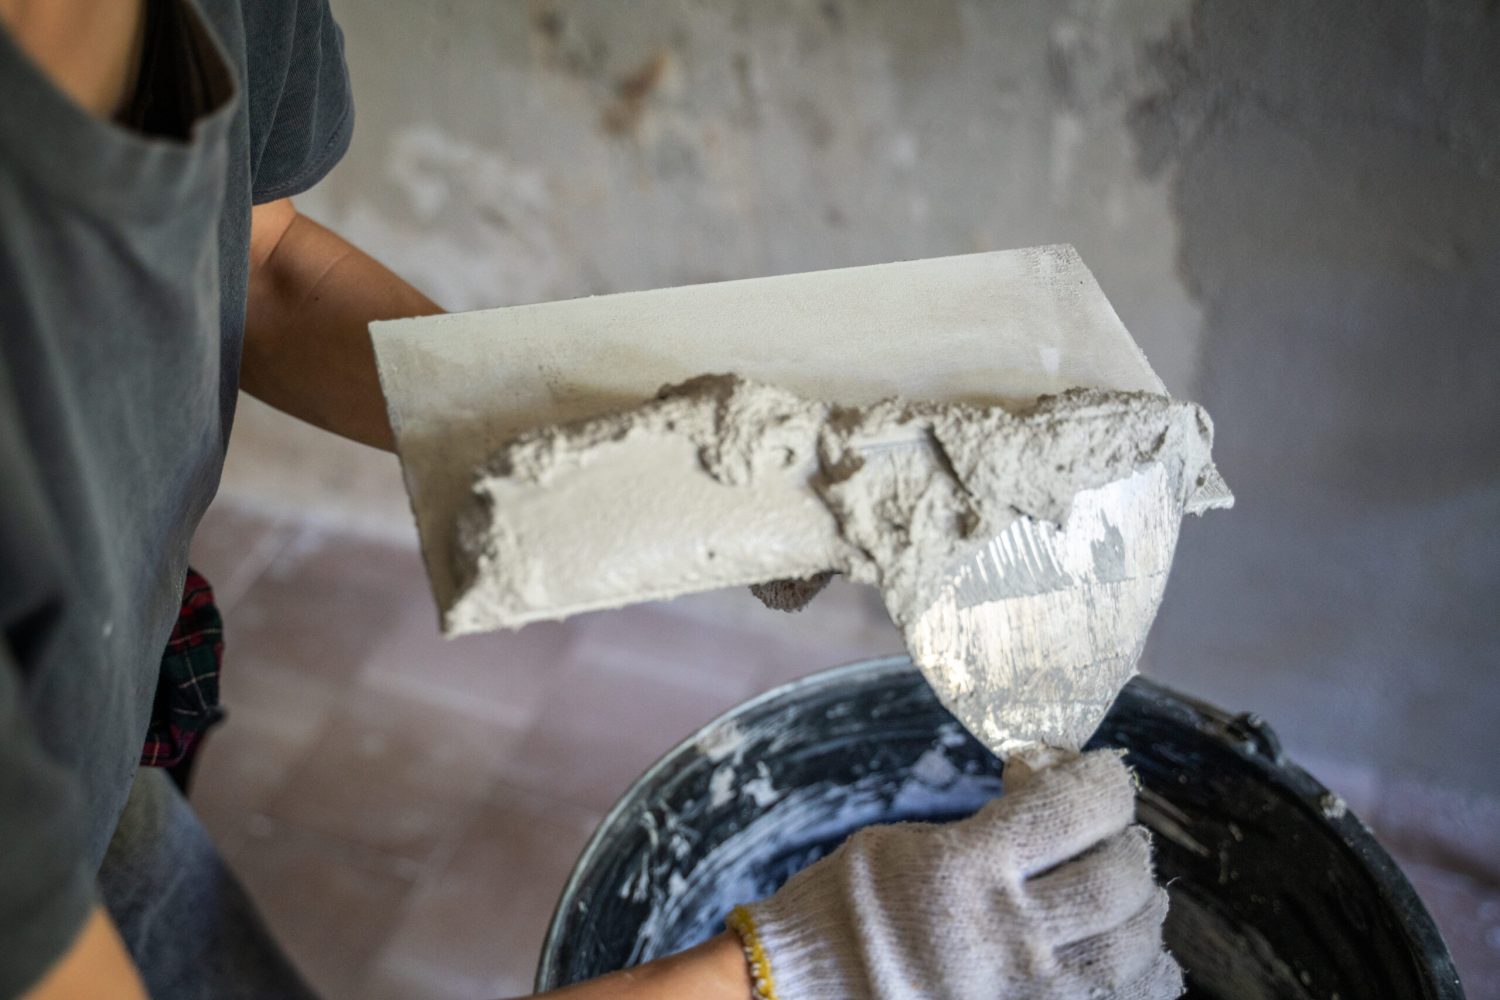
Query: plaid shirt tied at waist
187	690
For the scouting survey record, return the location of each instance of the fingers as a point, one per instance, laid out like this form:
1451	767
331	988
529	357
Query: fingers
1163	981
1024	764
1121	955
1097	893
1059	812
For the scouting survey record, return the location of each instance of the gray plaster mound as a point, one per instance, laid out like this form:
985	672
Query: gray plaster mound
908	484
902	495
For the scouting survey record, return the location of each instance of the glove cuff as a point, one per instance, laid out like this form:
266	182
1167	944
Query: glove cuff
762	983
800	947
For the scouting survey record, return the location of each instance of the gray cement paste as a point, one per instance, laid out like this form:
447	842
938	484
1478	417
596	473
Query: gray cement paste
911	487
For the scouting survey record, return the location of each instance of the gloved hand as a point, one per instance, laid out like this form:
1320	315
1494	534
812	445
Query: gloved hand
1045	894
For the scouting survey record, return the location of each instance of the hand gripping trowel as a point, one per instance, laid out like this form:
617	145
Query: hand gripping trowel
1033	630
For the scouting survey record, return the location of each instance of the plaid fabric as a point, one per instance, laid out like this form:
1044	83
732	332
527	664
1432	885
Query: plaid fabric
187	691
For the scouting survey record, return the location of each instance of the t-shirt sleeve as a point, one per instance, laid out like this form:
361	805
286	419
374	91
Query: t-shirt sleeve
300	106
46	885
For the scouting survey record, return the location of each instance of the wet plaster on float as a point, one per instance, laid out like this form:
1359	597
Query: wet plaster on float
907	490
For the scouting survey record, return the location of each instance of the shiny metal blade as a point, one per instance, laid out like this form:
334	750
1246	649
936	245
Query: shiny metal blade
1039	627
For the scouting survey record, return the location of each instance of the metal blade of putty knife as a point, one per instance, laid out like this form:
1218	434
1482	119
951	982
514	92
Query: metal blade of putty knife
1027	635
1034	634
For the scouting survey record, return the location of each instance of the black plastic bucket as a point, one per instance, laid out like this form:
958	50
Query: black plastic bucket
1277	890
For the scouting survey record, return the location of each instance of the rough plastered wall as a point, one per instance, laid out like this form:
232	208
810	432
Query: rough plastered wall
1295	208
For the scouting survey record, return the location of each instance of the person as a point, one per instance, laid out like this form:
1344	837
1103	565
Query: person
152	264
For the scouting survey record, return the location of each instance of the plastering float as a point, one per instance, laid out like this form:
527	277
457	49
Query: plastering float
639	520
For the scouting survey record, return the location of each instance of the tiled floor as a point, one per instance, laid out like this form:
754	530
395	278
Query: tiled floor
406	809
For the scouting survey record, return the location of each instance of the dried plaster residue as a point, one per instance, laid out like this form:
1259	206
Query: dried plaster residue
909	484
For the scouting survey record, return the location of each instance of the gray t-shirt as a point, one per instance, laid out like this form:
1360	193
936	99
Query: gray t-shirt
123	270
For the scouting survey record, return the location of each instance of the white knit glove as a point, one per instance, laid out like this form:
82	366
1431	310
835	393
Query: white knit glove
1045	894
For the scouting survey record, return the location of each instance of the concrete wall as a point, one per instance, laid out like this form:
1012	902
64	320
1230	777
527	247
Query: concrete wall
1294	207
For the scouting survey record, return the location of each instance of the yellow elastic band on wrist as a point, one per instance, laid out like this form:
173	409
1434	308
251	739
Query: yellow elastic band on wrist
742	923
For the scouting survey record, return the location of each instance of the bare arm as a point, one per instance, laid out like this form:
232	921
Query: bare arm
307	347
714	970
96	965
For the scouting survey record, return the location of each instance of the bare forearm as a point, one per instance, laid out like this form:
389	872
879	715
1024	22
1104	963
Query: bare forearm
307	346
714	970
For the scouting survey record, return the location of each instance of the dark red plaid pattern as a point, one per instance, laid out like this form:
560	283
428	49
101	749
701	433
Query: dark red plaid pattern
187	691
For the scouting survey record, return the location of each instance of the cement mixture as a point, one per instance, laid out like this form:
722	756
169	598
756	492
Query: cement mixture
910	488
